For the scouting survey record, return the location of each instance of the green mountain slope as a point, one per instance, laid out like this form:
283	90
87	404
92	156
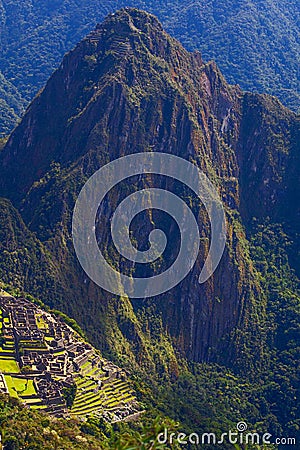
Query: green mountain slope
255	43
22	428
150	72
11	105
61	140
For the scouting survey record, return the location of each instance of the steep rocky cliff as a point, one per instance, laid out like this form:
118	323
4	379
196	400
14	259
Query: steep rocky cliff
129	87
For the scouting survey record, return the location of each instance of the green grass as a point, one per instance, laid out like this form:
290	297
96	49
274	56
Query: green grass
41	324
33	401
24	387
85	383
112	404
8	365
59	353
85	365
110	396
10	385
34	349
38	406
7	350
8	347
97	404
19	387
90	371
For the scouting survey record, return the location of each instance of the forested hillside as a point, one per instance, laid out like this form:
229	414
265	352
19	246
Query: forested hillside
255	43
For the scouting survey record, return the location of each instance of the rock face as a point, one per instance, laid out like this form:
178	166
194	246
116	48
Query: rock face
129	87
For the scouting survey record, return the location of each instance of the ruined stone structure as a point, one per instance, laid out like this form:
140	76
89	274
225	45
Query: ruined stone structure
54	356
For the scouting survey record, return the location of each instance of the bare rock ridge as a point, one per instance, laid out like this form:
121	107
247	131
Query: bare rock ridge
129	87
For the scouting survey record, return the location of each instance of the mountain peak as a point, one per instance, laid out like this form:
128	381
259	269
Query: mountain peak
137	29
128	88
129	51
136	19
126	22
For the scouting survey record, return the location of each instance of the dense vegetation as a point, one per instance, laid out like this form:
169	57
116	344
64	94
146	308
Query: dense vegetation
11	105
203	396
255	43
268	399
21	429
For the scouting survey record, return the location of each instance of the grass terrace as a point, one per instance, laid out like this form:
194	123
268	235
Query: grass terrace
24	390
20	386
90	399
38	406
35	346
41	324
8	365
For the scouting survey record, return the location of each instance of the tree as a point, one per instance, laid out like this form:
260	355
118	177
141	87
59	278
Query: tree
26	369
11	443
